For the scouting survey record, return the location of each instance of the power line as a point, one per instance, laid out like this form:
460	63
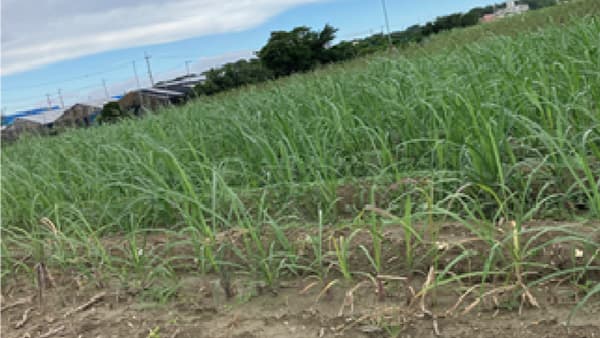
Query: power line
26	103
163	56
35	101
20	99
357	34
86	87
36	98
81	77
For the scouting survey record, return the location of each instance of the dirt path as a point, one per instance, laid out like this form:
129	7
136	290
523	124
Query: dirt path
200	309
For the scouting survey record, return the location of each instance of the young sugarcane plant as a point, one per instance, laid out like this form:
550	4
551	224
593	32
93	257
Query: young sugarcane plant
343	251
375	228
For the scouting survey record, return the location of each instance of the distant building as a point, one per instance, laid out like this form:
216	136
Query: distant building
51	120
39	123
48	121
183	84
510	9
164	93
7	120
149	98
45	119
79	115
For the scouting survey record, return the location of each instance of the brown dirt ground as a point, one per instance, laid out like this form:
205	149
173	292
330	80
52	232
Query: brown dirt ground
301	307
201	309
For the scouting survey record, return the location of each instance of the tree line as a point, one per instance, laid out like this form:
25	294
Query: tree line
303	49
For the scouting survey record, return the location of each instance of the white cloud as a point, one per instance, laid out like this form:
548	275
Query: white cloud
39	32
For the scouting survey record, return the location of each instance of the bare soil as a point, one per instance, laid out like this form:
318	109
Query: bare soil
202	310
387	306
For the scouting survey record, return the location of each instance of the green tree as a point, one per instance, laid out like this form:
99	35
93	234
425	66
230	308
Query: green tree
111	112
537	4
298	50
233	75
343	51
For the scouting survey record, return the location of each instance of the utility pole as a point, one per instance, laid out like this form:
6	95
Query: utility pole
147	57
62	102
105	90
387	24
137	79
49	101
187	66
139	87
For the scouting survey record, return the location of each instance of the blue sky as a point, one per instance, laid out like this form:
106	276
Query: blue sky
232	32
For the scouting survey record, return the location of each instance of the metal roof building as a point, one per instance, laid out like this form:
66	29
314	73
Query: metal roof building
44	118
183	84
162	92
9	119
190	80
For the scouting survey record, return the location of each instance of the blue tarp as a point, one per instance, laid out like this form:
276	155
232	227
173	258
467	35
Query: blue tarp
9	119
93	117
